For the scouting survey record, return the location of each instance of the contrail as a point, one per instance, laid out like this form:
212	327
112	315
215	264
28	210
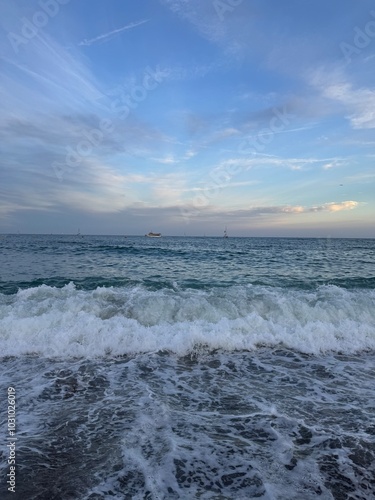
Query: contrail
106	35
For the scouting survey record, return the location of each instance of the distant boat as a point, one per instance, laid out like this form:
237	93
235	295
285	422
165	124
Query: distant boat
225	232
153	235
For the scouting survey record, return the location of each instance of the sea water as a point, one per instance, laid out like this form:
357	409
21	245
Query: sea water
186	368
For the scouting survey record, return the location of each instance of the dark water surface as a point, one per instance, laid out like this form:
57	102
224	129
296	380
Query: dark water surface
188	367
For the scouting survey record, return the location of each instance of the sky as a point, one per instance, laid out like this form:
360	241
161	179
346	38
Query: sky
188	116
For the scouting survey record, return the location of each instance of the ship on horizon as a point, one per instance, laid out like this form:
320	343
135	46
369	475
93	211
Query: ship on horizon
153	235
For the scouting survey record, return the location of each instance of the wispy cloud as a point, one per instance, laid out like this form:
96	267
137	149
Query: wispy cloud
264	160
227	185
228	33
300	209
214	212
359	103
365	177
166	160
105	36
334	163
46	77
201	15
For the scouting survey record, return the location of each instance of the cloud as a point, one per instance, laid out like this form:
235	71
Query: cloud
95	187
365	177
166	160
46	77
335	163
299	209
224	186
220	135
231	29
105	36
190	153
201	15
359	103
265	160
171	159
336	207
168	189
209	212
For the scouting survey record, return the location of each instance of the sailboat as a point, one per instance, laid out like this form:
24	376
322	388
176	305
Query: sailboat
225	232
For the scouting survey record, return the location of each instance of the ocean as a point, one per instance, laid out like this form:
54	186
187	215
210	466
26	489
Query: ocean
183	368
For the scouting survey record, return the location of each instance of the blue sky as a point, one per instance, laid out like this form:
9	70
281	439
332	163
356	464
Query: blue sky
186	116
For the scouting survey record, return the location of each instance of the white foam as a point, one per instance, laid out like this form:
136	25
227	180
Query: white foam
65	322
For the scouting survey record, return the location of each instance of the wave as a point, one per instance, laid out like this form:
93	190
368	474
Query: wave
69	322
156	282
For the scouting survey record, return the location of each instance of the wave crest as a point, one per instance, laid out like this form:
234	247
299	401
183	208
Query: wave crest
66	322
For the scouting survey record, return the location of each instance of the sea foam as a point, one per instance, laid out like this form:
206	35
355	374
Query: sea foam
67	322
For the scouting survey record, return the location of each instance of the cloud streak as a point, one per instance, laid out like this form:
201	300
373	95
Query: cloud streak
298	209
265	212
105	36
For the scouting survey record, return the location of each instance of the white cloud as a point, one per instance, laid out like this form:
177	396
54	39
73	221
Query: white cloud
333	164
359	103
265	160
47	77
169	189
190	153
336	207
226	28
166	160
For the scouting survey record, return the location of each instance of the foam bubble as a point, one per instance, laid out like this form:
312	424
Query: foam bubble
68	322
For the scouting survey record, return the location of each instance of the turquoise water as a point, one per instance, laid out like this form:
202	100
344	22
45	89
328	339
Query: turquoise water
189	367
